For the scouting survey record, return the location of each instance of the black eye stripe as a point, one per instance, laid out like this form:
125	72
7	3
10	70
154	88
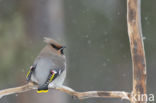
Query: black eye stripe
58	48
54	46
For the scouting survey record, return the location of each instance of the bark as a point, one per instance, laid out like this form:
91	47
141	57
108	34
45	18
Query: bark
137	48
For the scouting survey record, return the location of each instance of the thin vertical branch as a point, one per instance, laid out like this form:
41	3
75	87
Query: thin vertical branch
137	49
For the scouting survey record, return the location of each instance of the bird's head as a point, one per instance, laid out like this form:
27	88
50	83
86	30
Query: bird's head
56	46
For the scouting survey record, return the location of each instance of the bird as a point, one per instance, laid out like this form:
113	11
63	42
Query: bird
49	67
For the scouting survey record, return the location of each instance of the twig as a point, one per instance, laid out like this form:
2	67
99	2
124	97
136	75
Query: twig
20	89
95	94
79	95
137	48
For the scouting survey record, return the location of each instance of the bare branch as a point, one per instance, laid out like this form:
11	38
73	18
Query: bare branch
95	94
24	88
137	48
79	95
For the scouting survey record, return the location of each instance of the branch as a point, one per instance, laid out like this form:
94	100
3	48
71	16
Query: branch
95	94
20	89
137	48
79	95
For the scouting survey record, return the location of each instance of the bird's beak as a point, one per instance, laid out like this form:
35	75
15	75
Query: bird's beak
63	47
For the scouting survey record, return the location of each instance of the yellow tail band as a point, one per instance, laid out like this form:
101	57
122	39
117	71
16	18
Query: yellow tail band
42	91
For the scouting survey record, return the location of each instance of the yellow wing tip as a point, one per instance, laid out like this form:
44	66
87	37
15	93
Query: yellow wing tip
42	91
28	74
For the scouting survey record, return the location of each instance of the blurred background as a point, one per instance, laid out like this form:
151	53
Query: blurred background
95	33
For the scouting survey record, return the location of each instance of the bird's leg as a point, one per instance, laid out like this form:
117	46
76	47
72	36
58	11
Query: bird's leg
28	77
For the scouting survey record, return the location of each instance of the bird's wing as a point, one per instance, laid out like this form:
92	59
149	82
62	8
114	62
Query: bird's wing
55	72
29	73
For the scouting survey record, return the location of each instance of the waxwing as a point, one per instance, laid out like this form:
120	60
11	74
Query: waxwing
49	68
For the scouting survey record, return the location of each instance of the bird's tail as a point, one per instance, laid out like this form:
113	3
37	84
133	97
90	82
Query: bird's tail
42	89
